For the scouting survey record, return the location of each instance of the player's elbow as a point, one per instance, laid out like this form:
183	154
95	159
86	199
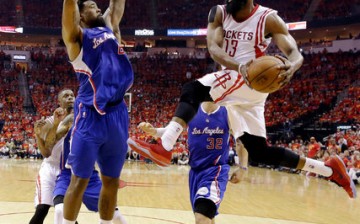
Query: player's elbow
212	50
46	152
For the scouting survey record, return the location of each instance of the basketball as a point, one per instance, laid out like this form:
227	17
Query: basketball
263	75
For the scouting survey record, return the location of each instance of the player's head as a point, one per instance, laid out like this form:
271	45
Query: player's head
234	6
66	99
90	14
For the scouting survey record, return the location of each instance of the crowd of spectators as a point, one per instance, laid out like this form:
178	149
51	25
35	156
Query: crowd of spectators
330	9
164	13
158	82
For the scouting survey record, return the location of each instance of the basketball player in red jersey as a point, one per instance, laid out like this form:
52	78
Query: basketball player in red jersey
239	32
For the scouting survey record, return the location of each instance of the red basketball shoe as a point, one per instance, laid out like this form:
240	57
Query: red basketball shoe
155	152
340	175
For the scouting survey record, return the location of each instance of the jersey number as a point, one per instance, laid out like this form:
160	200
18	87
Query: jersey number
214	143
231	46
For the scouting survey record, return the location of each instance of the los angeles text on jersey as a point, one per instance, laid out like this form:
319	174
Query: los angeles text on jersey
207	131
100	40
238	35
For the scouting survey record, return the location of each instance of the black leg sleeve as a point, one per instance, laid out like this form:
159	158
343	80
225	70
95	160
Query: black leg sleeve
40	214
261	153
192	94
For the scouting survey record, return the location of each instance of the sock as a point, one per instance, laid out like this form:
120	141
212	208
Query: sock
118	217
105	221
317	167
160	132
65	221
58	216
171	134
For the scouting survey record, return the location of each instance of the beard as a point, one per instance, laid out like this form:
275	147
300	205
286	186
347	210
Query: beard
98	22
233	6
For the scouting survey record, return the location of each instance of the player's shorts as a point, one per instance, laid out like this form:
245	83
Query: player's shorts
45	183
209	184
91	194
100	138
245	106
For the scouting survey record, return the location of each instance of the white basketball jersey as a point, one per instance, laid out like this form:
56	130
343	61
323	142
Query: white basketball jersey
54	158
246	40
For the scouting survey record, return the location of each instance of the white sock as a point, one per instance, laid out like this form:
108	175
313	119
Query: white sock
58	215
105	221
160	132
65	221
171	134
118	218
317	167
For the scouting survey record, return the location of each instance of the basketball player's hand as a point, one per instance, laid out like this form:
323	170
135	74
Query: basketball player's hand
147	128
238	175
59	115
288	70
243	70
38	125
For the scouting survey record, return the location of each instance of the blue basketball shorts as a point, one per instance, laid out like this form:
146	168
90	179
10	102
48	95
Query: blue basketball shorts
100	138
92	192
209	184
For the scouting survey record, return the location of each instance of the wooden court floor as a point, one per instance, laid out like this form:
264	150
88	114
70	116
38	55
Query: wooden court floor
151	195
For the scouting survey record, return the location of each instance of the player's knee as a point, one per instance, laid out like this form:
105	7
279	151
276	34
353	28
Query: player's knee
110	182
59	199
194	93
77	185
205	207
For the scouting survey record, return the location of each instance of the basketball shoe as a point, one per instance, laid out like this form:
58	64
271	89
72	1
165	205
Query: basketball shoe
155	152
340	175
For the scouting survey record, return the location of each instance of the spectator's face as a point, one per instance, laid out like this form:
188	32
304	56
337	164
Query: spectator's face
91	15
312	140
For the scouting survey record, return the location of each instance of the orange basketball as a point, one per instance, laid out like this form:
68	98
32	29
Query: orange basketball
263	74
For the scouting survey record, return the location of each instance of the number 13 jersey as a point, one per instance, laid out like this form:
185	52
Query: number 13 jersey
246	40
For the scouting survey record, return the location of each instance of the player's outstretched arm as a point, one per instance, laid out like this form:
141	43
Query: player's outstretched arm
276	28
71	31
116	12
215	37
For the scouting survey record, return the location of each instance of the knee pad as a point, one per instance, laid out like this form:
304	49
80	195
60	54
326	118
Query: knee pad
192	94
205	207
59	199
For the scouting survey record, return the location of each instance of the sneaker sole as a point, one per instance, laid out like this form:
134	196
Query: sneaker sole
352	185
145	152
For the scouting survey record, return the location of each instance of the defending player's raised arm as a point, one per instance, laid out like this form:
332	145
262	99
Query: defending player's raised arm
215	37
41	127
116	12
50	139
276	27
64	127
71	31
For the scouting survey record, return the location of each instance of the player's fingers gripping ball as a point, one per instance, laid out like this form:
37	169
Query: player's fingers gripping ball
264	74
